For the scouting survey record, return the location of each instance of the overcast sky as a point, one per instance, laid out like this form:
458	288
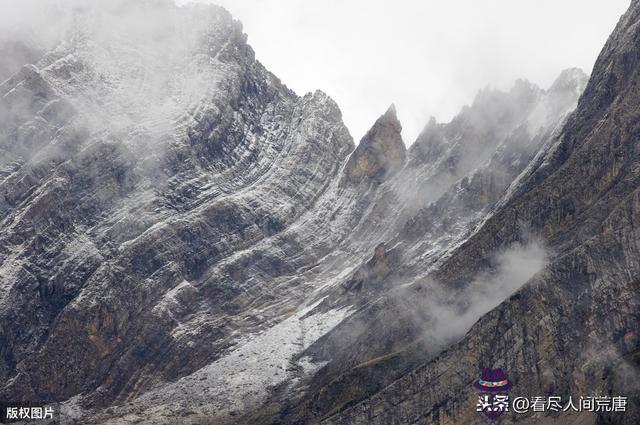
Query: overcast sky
428	57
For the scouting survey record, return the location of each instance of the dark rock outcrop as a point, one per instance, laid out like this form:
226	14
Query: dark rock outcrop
381	152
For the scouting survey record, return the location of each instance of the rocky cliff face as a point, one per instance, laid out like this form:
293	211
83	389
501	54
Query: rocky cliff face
571	329
185	239
396	326
140	206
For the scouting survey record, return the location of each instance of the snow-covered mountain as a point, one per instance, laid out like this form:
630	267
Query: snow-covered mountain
185	239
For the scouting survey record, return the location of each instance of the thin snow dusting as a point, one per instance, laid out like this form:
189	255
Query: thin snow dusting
243	377
135	75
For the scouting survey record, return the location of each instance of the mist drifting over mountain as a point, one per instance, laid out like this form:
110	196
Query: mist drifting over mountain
185	239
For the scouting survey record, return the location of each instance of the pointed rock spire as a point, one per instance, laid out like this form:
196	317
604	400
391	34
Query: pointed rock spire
381	152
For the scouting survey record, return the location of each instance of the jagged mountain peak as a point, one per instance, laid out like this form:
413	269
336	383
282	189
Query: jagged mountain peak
391	114
495	114
521	91
381	152
265	233
570	79
388	119
583	203
126	138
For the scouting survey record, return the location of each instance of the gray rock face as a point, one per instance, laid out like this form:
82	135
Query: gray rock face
184	239
130	229
564	332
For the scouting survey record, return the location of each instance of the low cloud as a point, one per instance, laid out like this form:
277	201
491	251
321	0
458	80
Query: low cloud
452	313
